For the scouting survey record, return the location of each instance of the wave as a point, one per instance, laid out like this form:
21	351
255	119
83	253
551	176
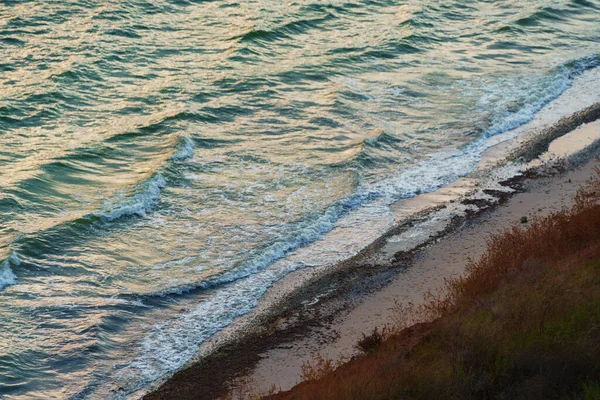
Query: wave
437	171
285	31
7	276
147	194
544	14
143	200
170	344
506	106
150	125
558	80
302	234
185	149
426	177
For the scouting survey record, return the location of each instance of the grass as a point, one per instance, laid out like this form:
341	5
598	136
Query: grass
522	323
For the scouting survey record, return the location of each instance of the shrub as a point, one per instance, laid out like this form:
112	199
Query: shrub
370	343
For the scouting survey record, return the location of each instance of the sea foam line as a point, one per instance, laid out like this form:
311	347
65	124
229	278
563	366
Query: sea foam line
429	175
170	344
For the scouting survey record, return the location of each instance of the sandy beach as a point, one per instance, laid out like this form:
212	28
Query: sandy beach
325	311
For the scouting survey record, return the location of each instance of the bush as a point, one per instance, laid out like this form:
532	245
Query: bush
370	343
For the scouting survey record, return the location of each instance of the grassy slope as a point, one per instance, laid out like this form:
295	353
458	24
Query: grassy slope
524	322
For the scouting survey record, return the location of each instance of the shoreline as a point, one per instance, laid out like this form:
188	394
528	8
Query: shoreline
309	298
517	321
311	312
431	266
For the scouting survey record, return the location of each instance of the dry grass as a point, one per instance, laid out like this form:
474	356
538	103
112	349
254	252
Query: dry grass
319	368
523	322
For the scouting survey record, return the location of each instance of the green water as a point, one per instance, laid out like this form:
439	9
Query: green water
163	162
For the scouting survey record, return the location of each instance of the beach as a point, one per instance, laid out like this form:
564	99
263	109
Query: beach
325	313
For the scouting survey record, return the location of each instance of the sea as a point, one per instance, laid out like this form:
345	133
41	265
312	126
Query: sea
164	162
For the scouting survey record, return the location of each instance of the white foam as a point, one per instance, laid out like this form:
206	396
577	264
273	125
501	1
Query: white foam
303	234
143	199
184	150
145	195
445	167
170	344
7	276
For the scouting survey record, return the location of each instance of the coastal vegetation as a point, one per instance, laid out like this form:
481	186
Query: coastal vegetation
522	322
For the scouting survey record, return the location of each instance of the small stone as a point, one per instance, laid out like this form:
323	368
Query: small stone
524	220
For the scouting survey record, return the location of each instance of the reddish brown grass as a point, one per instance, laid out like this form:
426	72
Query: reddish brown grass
319	368
554	237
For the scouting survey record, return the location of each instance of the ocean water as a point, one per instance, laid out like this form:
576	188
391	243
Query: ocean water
162	163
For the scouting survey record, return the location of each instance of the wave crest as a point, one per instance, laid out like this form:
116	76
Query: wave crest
144	198
7	276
